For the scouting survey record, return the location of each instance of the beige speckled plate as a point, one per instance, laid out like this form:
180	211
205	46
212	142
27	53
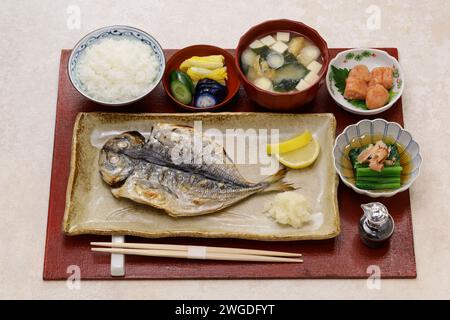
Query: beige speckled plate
92	209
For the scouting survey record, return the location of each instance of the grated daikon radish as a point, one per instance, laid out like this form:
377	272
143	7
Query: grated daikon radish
289	208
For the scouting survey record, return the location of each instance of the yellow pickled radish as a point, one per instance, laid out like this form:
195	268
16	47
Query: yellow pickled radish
219	75
291	144
301	157
209	62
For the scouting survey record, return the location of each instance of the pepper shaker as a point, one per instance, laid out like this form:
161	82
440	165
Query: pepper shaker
376	225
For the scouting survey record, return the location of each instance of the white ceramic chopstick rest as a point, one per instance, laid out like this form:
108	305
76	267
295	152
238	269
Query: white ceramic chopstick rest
117	259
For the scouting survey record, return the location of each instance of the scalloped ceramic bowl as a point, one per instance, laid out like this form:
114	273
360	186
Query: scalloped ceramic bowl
367	131
115	31
371	58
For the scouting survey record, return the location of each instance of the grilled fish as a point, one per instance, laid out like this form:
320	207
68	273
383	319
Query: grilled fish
166	173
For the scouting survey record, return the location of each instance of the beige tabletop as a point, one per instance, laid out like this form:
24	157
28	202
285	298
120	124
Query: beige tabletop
33	33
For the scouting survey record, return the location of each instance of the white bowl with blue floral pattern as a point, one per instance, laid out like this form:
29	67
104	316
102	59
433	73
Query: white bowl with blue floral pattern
115	31
371	58
370	131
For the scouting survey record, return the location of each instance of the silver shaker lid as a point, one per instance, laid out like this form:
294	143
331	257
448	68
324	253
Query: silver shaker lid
376	213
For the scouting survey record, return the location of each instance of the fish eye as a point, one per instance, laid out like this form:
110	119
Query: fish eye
114	159
123	144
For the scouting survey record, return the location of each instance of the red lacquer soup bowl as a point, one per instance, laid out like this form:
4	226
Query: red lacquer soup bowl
275	100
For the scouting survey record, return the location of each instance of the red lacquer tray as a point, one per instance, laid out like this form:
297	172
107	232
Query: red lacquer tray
342	257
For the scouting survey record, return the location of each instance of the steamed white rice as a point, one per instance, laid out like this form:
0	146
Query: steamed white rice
117	69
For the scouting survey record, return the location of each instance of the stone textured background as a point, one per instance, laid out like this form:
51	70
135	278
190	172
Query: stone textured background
33	32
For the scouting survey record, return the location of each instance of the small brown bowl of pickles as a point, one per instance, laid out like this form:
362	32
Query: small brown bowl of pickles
201	78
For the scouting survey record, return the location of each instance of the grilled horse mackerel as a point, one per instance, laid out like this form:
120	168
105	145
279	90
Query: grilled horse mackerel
164	172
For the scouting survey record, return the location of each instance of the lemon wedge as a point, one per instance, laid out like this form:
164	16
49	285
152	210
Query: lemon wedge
301	157
291	144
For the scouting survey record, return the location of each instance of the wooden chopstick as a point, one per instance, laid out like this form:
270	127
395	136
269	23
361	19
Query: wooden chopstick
184	254
175	247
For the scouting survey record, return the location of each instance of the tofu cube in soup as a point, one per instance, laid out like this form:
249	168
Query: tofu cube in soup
268	40
302	85
311	78
314	67
283	36
256	44
279	47
355	89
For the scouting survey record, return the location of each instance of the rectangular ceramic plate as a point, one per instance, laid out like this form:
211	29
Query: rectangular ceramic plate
92	209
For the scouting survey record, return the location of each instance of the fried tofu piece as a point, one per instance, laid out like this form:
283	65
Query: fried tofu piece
383	76
355	89
360	71
377	96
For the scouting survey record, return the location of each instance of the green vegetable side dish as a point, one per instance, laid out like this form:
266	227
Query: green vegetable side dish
366	178
340	75
181	86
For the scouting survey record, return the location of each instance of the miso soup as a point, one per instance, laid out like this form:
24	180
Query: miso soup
282	62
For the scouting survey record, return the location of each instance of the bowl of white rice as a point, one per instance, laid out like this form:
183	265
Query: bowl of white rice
116	65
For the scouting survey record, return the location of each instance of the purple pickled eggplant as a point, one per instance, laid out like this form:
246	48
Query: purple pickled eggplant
209	93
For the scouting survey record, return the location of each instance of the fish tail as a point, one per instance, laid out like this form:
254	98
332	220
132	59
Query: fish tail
275	182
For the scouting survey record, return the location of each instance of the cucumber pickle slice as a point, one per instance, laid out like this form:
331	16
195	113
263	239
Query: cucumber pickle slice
181	92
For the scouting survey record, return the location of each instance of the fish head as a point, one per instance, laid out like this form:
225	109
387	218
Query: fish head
115	166
129	140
